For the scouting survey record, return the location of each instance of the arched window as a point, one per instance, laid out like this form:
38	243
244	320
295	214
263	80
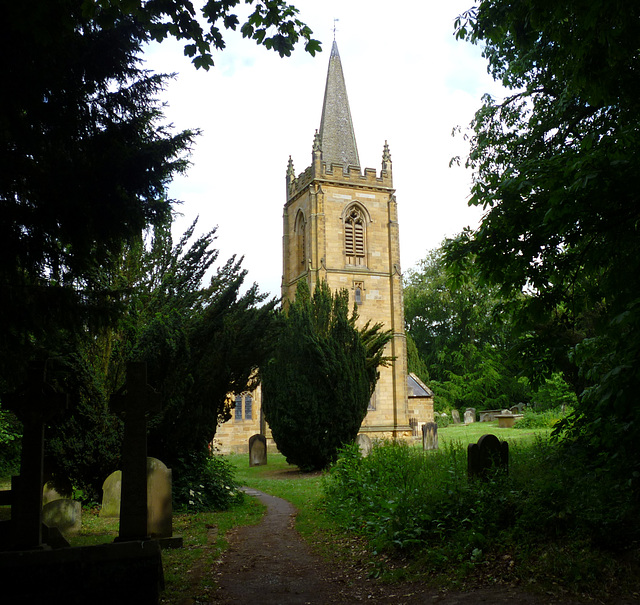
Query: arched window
238	415
301	242
355	237
248	407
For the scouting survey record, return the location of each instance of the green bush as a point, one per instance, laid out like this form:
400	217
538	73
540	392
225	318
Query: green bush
204	483
540	420
10	443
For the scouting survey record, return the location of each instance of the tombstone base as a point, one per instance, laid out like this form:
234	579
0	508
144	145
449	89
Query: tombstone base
172	542
129	572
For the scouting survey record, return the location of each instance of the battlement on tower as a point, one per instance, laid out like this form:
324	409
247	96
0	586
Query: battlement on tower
338	173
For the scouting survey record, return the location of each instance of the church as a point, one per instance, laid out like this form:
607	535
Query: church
340	224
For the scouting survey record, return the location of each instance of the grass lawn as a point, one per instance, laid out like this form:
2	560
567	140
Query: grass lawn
470	433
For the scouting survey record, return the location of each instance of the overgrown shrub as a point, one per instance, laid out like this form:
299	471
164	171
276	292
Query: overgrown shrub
204	483
540	420
10	442
422	505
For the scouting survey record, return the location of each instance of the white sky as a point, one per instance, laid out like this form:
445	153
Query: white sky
409	82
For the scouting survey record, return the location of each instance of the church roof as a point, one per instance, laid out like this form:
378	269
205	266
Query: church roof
417	388
337	139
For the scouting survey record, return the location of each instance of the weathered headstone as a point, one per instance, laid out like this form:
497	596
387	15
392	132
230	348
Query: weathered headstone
364	444
429	436
65	514
257	450
455	416
159	502
111	492
469	416
51	493
489	453
134	401
34	405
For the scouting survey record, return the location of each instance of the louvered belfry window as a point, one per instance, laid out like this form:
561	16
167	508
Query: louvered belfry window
354	237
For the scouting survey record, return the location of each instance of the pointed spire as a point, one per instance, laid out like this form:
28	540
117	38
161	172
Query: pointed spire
291	174
337	139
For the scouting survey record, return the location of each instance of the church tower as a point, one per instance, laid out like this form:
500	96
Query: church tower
340	224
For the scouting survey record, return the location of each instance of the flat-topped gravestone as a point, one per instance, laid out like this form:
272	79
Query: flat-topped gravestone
455	416
159	503
257	450
429	436
488	454
364	444
65	514
111	491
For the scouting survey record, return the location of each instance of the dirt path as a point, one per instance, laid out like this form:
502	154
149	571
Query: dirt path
270	564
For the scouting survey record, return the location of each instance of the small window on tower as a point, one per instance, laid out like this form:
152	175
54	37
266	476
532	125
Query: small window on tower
358	287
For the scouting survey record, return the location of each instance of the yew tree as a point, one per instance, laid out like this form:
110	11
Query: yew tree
317	385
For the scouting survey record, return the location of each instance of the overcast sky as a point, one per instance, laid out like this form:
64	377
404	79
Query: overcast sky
409	82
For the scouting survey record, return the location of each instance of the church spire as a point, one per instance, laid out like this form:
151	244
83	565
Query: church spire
337	139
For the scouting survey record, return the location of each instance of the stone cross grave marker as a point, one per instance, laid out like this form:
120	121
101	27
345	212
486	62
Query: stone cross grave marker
489	453
429	436
134	402
34	405
257	450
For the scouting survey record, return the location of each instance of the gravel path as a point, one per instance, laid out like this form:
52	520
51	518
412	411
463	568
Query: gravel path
271	564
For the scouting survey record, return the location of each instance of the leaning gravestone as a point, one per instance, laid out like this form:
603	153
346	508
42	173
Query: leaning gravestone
489	453
257	450
469	416
364	444
429	436
65	514
455	415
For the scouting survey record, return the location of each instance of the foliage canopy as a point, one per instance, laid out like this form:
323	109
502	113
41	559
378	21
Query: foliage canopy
554	168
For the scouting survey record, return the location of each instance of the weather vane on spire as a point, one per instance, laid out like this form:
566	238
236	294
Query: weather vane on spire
334	28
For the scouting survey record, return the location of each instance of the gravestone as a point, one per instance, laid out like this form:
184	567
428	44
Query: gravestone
134	401
34	405
65	514
111	491
469	416
429	436
159	502
50	493
364	444
257	450
455	416
488	454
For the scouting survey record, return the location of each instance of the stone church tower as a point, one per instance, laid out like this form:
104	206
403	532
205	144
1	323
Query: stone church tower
341	225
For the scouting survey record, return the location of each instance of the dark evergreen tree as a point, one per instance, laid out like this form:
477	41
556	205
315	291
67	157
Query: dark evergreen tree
317	386
201	338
